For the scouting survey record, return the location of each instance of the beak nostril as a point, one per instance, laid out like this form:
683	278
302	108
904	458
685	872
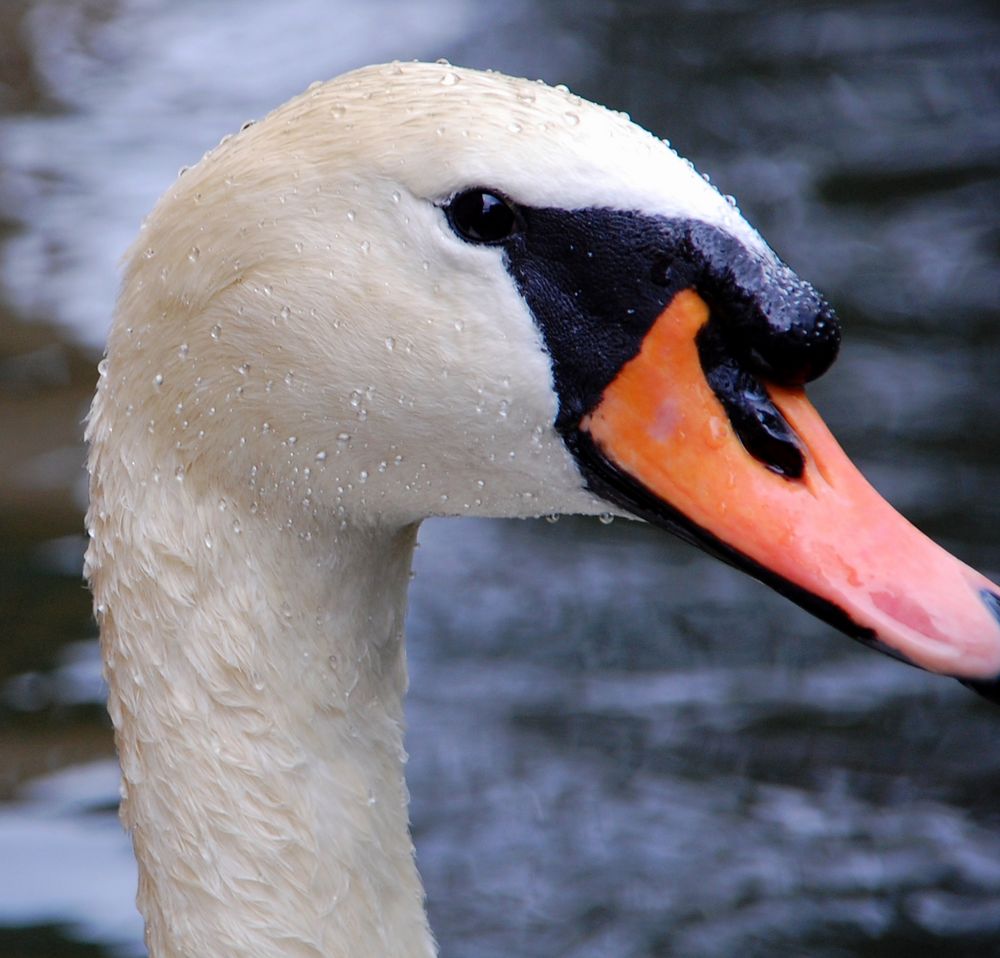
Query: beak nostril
759	424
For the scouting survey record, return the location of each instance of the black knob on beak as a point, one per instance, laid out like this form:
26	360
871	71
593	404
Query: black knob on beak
775	322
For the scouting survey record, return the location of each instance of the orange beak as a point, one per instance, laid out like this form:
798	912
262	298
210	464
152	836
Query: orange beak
825	538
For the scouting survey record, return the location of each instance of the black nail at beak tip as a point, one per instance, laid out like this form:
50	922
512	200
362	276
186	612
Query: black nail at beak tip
992	602
987	688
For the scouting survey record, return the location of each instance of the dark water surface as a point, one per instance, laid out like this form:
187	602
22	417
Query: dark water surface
618	747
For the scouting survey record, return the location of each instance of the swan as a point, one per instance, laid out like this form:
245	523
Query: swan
418	290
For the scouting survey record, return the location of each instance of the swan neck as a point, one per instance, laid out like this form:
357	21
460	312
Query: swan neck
256	678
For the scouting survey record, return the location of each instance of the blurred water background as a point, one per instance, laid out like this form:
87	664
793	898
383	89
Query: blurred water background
618	747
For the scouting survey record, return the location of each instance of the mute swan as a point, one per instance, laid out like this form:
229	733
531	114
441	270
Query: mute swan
418	290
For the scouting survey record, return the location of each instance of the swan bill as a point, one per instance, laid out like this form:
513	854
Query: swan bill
679	353
748	471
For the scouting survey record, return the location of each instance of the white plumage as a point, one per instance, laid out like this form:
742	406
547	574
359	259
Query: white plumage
305	362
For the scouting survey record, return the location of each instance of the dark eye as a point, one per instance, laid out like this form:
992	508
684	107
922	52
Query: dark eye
482	217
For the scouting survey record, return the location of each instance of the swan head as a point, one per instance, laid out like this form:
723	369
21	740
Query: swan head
324	312
420	290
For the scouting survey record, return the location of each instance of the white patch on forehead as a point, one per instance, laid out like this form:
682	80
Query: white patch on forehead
437	129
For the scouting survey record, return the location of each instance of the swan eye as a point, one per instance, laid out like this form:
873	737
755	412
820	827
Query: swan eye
480	216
